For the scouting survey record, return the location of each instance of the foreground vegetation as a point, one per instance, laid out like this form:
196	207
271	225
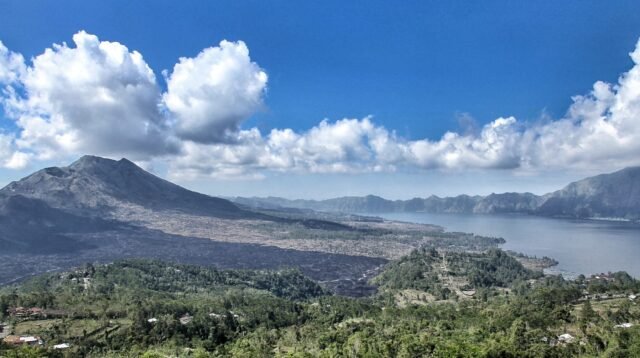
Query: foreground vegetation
474	304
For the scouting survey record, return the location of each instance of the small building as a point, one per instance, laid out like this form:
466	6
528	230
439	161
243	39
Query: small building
632	297
623	325
62	346
54	313
36	312
32	340
13	340
24	312
17	311
566	338
186	319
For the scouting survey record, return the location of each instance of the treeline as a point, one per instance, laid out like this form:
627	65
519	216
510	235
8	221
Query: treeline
147	308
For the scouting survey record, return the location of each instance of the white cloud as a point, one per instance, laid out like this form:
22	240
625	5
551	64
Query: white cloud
97	97
212	94
11	158
349	146
11	65
600	130
101	98
496	147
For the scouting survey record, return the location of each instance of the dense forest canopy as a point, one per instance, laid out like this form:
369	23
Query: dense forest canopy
153	308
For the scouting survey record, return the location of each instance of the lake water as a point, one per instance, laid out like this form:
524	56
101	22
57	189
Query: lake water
581	246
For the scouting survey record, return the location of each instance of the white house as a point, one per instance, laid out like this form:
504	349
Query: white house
186	319
566	338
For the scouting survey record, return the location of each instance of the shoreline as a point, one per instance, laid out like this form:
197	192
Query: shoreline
529	246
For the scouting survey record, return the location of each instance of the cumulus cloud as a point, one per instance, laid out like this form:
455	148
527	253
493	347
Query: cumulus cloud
101	98
97	97
10	157
350	146
11	65
339	147
212	94
601	130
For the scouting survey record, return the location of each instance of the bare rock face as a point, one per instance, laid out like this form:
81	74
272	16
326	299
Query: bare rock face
96	185
39	212
100	210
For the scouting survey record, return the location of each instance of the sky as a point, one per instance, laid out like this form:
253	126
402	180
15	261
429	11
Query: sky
324	99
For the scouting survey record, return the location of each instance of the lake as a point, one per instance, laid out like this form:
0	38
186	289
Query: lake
581	246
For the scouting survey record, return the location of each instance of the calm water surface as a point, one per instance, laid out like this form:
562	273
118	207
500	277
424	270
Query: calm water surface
581	246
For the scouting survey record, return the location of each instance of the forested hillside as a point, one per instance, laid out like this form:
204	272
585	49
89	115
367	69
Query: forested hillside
441	273
154	309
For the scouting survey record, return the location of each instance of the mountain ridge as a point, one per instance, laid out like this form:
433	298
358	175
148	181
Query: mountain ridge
99	210
611	195
42	211
95	184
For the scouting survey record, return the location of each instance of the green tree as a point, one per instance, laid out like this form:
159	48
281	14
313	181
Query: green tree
587	314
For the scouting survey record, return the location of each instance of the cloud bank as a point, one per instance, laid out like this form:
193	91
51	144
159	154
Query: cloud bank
101	98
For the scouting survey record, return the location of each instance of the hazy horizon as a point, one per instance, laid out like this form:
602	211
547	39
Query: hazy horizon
443	185
463	99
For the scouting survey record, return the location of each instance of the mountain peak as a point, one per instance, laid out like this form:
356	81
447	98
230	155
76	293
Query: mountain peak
97	183
92	161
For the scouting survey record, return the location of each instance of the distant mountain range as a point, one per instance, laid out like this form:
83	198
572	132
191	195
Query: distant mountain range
615	195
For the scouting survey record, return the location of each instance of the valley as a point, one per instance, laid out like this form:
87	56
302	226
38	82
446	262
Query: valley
100	210
114	261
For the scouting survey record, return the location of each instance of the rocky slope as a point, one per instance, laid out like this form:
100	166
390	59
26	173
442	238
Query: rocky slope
99	184
100	210
37	213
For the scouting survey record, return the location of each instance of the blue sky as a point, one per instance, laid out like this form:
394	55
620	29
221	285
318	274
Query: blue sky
419	69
